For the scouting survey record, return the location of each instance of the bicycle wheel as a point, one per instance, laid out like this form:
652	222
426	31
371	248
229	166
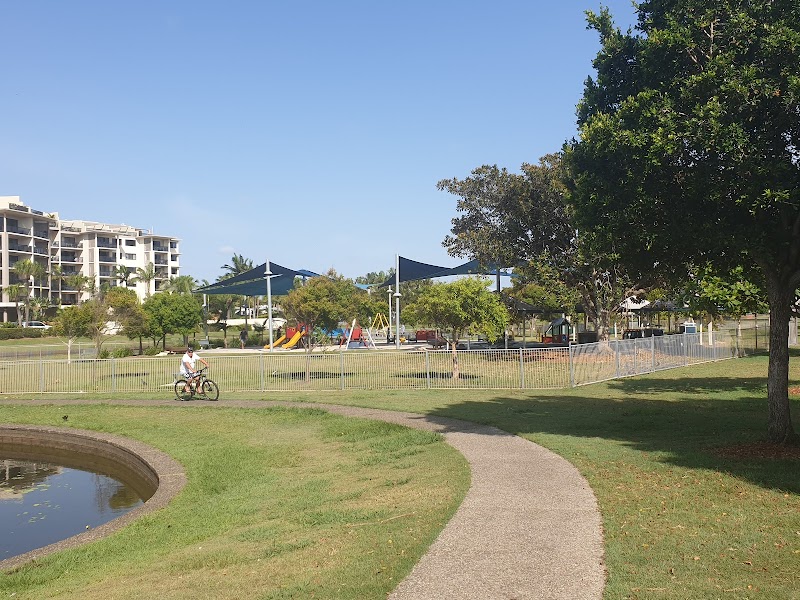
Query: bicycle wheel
180	392
210	390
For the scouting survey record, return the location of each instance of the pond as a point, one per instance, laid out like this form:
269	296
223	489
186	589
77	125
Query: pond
45	502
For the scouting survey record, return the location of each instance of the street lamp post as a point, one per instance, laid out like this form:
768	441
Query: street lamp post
397	320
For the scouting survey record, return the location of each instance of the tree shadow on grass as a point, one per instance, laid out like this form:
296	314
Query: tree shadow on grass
684	431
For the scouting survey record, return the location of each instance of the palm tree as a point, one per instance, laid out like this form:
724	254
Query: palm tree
239	264
56	274
146	274
15	292
26	269
124	275
78	281
182	284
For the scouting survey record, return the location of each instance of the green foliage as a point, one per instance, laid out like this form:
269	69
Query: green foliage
172	313
152	351
75	321
519	219
146	274
103	354
690	137
322	302
12	332
122	352
238	265
729	294
458	306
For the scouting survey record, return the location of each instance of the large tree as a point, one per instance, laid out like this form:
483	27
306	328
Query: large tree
689	151
512	219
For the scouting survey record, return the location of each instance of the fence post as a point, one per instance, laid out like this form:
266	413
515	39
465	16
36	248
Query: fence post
571	367
685	345
113	375
263	374
616	352
428	367
521	370
41	375
341	370
652	353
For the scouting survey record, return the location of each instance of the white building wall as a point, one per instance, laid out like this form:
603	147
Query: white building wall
90	248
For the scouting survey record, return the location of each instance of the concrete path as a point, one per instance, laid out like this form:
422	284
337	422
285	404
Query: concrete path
528	528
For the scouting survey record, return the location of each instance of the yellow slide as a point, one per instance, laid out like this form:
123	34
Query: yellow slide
276	342
293	342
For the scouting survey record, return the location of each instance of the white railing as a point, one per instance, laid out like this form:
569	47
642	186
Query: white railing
533	368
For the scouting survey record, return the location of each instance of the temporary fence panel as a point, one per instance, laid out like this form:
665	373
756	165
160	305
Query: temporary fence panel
532	368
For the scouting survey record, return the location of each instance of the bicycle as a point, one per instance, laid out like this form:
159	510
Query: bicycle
208	389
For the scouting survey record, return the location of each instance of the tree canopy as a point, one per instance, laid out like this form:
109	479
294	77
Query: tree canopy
689	151
524	219
460	305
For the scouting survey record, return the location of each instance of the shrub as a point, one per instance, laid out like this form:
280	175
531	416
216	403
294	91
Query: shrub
104	353
16	333
121	352
215	343
152	351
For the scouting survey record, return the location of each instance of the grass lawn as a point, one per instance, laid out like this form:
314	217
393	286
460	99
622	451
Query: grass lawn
693	506
280	503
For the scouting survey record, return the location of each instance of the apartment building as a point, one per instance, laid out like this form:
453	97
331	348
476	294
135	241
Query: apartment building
99	251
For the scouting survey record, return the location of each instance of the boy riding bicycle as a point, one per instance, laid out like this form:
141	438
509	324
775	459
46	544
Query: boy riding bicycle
189	368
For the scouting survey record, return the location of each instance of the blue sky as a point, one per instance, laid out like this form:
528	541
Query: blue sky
310	133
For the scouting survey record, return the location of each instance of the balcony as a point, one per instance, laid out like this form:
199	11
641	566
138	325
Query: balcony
106	244
17	229
19	247
107	258
107	273
40	250
160	248
161	261
71	259
71	229
41	233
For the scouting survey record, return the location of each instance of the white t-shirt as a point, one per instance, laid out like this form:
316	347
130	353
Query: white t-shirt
191	359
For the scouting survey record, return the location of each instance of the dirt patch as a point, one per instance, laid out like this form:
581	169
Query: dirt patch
759	450
794	391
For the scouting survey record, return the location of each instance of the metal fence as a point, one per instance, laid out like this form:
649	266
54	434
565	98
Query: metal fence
532	368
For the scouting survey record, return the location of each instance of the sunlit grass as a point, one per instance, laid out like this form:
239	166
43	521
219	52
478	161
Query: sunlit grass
279	503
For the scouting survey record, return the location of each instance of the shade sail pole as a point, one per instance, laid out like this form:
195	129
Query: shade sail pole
397	301
268	277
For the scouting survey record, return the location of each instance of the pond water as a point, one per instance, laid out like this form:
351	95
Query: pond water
42	503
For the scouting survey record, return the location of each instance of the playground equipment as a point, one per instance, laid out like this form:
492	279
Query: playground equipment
356	334
294	334
557	332
379	323
277	342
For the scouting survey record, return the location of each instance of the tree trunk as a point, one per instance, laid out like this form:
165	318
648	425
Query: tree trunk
780	428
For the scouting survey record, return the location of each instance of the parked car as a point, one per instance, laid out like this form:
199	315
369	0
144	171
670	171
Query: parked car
35	325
